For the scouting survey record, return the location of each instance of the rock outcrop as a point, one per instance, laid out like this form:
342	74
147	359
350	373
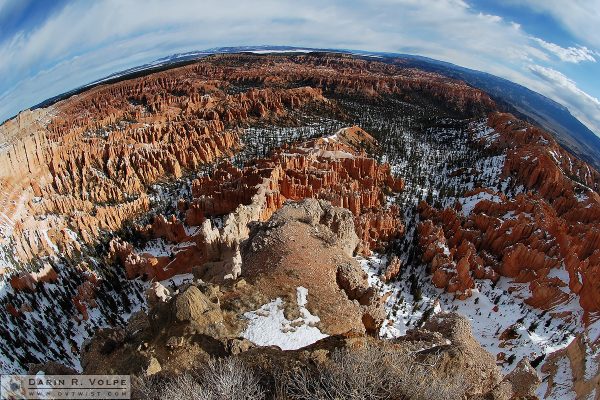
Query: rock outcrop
316	242
523	380
392	269
174	339
578	361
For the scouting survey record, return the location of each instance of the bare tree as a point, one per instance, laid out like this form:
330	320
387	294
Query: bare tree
230	378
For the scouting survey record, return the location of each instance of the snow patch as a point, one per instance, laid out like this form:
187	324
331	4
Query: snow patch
563	381
268	325
469	203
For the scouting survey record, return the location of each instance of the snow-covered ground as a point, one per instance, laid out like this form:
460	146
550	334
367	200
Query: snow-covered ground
492	310
46	331
268	325
258	142
482	132
174	283
468	203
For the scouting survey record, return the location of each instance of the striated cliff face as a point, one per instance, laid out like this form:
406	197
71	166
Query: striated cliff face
92	164
90	159
23	164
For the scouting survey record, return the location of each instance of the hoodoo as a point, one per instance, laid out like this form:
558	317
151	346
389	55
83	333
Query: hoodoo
348	218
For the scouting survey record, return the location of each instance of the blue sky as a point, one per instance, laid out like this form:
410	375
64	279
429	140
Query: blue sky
550	46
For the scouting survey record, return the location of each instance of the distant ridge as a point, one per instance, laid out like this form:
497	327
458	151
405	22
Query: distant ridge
510	96
523	102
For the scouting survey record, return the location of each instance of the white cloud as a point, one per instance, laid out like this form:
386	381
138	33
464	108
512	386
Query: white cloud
581	18
87	41
568	54
564	90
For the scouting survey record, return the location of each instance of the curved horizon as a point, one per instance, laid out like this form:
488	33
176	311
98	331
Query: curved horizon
265	49
49	48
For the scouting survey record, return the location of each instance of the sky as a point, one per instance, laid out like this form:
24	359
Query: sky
550	46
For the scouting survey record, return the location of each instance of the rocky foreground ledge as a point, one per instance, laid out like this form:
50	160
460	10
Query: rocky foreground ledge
295	330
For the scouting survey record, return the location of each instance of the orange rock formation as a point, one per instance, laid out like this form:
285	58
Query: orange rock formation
327	168
555	226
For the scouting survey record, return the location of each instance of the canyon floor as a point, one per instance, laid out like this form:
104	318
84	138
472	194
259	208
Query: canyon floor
286	209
